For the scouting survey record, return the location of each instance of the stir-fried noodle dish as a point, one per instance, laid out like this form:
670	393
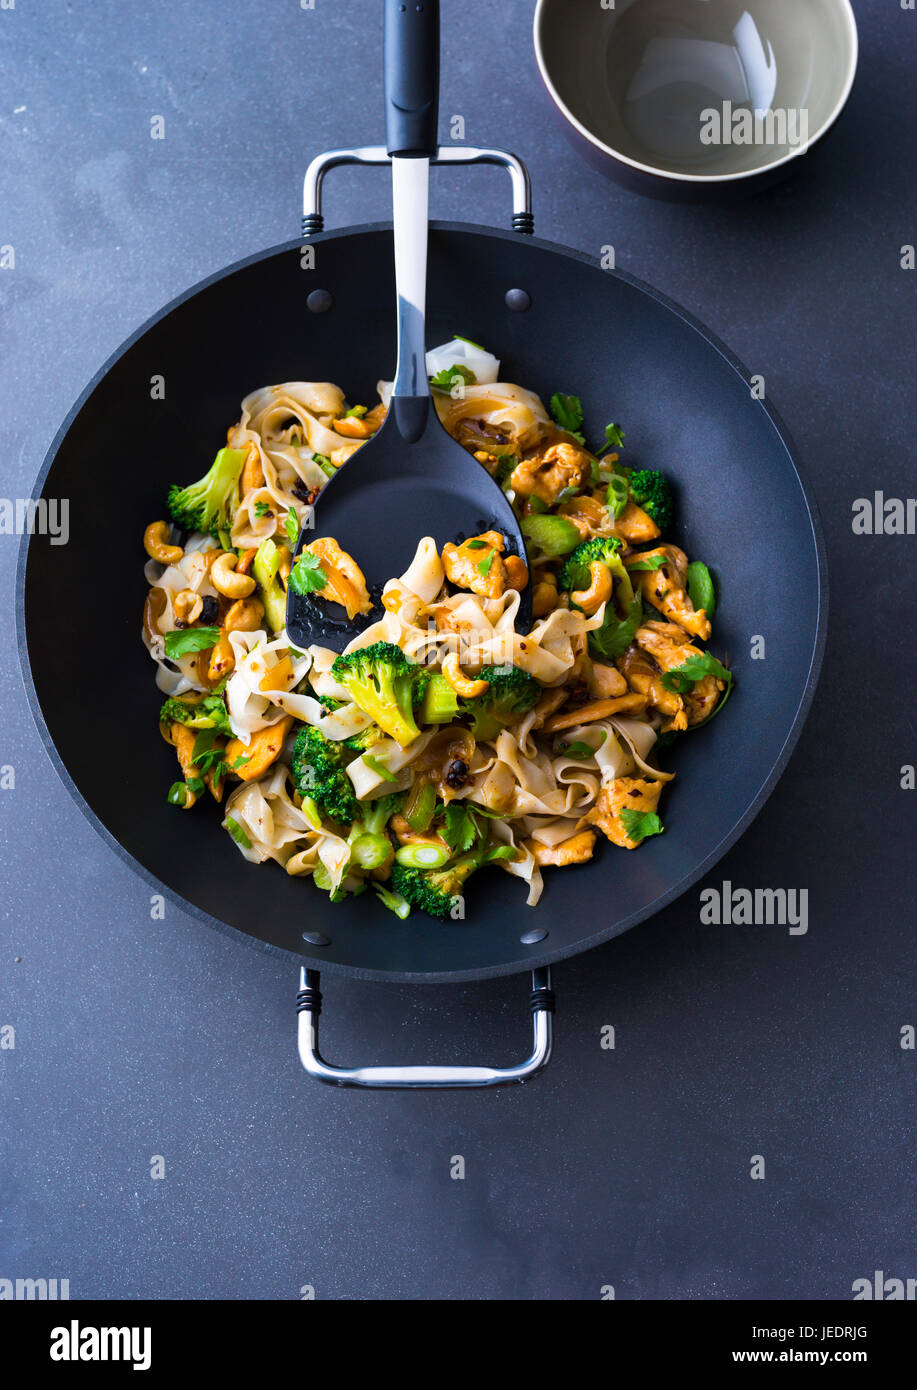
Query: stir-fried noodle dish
441	741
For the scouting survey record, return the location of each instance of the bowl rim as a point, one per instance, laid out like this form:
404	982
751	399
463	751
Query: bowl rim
655	171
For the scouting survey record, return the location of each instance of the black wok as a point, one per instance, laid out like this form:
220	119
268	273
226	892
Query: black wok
633	356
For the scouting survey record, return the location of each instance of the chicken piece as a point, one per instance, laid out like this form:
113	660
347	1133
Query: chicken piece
633	793
550	701
406	836
670	646
642	675
595	709
604	682
346	583
260	752
577	850
635	525
477	564
665	590
184	740
667	643
590	516
547	475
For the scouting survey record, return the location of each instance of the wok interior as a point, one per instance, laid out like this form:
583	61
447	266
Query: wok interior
631	358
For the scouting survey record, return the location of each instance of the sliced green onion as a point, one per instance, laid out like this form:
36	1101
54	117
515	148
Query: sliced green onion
618	495
177	794
237	833
393	901
378	768
371	851
423	854
552	535
291	526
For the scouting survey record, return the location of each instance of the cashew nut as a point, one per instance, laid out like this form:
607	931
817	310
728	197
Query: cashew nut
245	615
247	560
517	575
284	563
544	596
187	606
351	427
156	544
590	600
252	475
225	580
222	660
460	683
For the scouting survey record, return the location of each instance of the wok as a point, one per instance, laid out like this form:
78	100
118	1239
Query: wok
559	322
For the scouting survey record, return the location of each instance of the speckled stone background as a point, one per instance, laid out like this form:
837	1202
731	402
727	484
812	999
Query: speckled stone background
136	1037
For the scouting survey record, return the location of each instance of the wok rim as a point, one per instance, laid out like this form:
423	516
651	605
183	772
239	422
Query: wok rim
544	958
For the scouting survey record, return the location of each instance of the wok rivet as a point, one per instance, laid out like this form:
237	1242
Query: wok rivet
531	938
518	301
315	938
320	301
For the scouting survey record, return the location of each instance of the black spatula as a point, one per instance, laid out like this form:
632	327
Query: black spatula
411	479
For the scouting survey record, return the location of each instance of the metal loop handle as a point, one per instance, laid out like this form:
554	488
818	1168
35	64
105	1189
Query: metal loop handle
309	1006
313	220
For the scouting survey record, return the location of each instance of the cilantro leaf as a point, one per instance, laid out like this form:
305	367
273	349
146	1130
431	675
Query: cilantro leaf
307	576
580	750
615	635
445	379
483	566
185	640
680	679
568	413
461	828
639	824
614	439
206	756
262	509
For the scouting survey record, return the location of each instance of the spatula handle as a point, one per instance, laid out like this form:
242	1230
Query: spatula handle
411	62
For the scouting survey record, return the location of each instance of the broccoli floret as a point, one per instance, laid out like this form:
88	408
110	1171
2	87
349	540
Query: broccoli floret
510	693
317	766
434	890
651	491
209	713
365	739
210	504
575	573
375	815
380	679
